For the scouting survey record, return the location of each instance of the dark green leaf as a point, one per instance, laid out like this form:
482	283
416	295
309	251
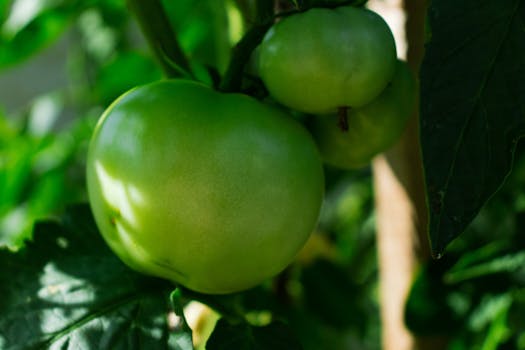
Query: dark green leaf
332	296
67	290
427	311
229	305
472	107
242	336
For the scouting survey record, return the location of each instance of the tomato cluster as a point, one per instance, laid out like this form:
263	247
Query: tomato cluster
218	192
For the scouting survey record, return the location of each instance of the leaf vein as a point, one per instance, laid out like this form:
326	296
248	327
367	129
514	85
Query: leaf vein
460	141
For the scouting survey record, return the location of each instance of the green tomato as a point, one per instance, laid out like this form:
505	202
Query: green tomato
213	191
323	59
372	128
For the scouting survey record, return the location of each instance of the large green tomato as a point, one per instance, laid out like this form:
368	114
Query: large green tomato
372	128
323	59
214	191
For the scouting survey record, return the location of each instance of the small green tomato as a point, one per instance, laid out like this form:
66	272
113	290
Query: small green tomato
323	59
372	128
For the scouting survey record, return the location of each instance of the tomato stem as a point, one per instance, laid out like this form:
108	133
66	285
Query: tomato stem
342	114
232	80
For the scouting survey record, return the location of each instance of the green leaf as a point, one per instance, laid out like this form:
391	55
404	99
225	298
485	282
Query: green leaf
113	78
35	176
428	310
472	107
509	263
202	30
67	290
332	296
4	8
26	32
242	336
490	318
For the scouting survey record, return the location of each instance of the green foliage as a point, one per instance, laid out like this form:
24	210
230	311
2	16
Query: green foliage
33	177
61	287
203	30
66	289
242	336
475	293
472	93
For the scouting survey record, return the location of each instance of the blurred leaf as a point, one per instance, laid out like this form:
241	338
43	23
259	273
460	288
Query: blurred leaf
4	9
36	177
481	254
472	109
7	130
229	305
15	170
348	214
490	318
314	334
516	319
489	309
509	263
32	26
114	78
332	296
98	38
259	299
242	336
202	30
428	310
66	289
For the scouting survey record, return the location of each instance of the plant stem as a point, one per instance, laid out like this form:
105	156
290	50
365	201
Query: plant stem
161	36
232	80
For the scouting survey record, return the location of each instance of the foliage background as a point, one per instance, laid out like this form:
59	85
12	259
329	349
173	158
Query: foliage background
474	296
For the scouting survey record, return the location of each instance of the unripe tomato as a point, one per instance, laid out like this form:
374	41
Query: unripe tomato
214	191
323	59
372	128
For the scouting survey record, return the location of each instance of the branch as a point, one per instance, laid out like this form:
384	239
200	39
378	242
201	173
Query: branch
232	80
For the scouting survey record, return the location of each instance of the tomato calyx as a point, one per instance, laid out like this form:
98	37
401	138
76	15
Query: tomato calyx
342	114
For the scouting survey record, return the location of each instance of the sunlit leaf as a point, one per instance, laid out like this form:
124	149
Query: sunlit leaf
16	44
66	289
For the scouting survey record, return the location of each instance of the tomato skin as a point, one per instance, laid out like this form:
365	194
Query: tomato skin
323	59
371	129
217	192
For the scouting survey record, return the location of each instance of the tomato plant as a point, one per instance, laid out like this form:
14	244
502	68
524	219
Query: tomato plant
217	192
323	59
203	181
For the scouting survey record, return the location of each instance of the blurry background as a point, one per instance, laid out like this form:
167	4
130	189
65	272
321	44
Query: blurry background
63	61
